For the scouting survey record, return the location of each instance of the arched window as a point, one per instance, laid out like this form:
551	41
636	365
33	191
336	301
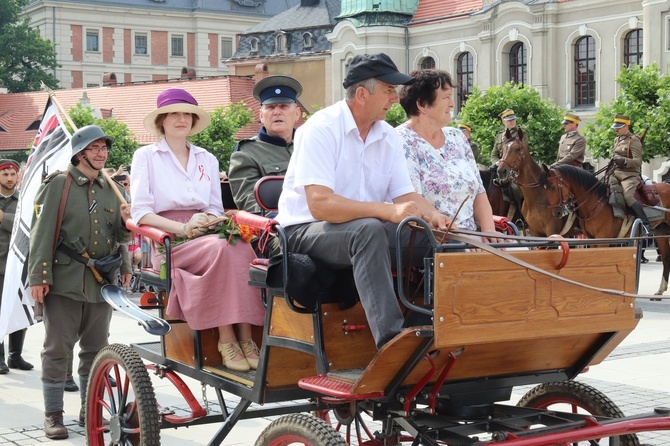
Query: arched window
518	63
464	78
632	48
280	43
428	63
585	71
307	40
253	45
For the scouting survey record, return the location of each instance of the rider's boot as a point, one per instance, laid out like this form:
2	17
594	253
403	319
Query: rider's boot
639	213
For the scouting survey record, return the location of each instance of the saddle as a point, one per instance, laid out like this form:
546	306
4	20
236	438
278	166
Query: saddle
647	194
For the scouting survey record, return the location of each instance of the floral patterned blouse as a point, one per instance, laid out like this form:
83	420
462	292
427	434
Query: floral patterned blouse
445	176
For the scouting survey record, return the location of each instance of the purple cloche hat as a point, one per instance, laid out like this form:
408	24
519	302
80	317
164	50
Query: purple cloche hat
177	100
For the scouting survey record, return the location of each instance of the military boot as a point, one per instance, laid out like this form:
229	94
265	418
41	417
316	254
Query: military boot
14	360
639	213
53	425
3	366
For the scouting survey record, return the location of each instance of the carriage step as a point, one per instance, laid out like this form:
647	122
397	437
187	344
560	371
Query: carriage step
335	387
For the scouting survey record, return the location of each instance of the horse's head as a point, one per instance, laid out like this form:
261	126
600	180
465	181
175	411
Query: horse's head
559	195
514	153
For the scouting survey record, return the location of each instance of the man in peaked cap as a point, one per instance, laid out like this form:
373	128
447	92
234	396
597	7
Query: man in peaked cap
572	145
268	152
508	118
9	197
467	129
627	159
347	187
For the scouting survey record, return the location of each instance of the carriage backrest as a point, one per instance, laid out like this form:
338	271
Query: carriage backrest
227	196
267	191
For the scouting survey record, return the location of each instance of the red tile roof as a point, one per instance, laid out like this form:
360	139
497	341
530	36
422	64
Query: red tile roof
127	103
435	11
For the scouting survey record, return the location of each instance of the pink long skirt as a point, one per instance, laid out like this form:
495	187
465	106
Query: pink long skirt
210	281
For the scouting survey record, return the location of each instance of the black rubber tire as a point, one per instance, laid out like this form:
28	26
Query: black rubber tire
578	395
300	428
130	407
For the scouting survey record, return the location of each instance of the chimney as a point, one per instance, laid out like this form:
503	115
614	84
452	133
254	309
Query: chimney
109	79
188	73
261	72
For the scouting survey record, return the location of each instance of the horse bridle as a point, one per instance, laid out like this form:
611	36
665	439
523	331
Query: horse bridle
571	204
513	168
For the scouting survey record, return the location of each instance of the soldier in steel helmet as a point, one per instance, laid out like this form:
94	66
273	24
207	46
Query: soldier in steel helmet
75	212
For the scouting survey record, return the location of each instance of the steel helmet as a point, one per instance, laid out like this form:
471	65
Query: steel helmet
86	135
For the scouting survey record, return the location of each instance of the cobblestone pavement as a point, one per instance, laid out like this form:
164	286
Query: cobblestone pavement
634	376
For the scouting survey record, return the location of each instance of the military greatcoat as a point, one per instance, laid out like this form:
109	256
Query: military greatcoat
91	218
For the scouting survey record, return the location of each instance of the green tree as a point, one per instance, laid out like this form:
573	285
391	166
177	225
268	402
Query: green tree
396	115
125	143
219	136
644	95
541	118
25	57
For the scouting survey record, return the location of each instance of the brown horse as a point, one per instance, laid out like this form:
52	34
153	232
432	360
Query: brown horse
569	186
496	196
518	166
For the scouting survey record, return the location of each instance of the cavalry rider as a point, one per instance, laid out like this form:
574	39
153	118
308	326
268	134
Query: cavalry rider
572	145
508	118
467	129
627	159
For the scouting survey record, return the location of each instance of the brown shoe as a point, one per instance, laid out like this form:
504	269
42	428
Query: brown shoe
249	348
53	425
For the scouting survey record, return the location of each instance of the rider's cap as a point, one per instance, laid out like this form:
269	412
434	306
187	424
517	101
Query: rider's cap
571	117
464	127
507	115
378	66
9	164
277	90
620	121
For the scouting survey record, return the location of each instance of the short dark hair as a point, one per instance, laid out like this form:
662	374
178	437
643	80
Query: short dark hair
424	89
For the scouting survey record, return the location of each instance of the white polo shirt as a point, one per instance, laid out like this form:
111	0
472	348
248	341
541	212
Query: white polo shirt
328	151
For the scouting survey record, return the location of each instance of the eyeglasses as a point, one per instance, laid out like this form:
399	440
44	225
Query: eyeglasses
98	149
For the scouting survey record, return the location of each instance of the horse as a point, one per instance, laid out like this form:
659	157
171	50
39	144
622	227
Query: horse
581	190
496	196
518	166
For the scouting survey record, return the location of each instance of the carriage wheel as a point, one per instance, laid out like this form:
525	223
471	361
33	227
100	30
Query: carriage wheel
299	428
130	407
580	398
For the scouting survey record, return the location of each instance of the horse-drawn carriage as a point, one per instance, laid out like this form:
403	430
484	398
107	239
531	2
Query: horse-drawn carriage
446	382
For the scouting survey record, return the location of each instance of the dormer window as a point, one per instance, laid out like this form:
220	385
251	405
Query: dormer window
280	42
307	41
254	44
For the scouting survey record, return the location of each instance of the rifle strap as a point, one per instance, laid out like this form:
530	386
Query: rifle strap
61	209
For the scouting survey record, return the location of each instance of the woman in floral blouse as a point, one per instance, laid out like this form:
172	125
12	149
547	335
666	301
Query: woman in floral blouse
439	159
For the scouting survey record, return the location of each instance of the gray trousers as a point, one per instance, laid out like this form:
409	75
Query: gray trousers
67	321
365	245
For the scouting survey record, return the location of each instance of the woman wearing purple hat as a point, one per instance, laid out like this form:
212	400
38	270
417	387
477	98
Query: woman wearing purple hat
175	187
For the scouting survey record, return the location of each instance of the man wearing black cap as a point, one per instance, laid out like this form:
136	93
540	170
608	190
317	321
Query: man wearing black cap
9	197
347	185
267	153
627	160
572	145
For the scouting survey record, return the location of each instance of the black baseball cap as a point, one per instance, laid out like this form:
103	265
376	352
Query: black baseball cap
378	66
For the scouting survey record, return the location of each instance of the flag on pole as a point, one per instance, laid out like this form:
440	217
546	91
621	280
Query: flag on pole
51	151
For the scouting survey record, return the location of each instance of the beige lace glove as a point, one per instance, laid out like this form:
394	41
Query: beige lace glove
193	229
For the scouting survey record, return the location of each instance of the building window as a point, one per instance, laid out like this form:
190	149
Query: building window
253	45
280	43
428	63
141	44
632	48
92	40
307	41
464	78
585	71
518	64
177	46
226	47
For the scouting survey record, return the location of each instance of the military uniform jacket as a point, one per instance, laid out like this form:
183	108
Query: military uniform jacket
496	153
475	148
6	227
91	215
571	149
629	147
255	158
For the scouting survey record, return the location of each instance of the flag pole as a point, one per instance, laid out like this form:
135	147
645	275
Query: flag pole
111	182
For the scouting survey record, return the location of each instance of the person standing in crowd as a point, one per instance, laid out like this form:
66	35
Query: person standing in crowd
467	132
90	222
572	145
175	187
508	118
9	197
627	161
269	152
441	166
347	185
